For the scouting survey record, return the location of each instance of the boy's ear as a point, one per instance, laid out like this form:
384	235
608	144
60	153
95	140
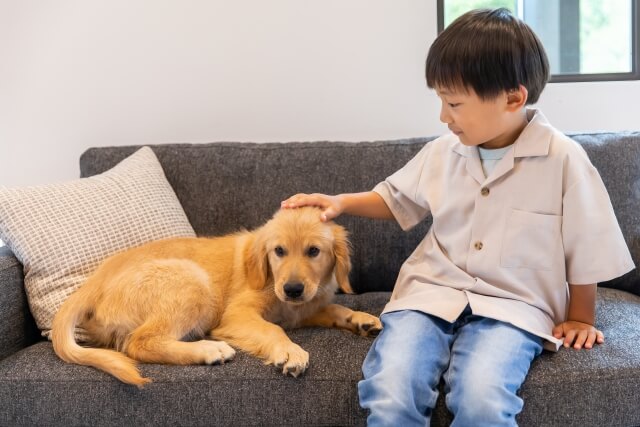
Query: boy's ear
517	98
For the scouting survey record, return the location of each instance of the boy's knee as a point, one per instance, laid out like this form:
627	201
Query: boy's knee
482	402
396	391
394	400
394	381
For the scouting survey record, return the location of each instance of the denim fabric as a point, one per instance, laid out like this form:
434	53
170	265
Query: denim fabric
483	363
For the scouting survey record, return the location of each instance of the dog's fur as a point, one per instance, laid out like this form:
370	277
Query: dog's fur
150	303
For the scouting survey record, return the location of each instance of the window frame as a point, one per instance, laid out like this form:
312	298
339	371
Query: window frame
634	74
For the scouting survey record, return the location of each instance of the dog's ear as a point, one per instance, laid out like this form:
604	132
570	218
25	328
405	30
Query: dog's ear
257	263
342	253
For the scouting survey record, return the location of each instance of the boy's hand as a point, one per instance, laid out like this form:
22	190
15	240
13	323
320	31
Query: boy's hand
330	205
578	334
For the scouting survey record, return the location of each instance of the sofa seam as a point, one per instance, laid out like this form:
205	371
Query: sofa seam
14	262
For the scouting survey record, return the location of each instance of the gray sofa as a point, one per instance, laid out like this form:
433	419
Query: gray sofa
226	186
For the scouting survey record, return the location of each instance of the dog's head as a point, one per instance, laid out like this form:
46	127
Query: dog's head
300	254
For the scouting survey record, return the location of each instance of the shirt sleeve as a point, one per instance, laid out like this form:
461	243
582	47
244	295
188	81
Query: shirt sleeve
595	249
400	191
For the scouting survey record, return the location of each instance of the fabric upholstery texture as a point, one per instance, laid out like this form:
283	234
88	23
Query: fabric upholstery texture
61	232
17	327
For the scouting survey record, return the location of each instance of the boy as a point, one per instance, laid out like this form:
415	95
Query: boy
522	231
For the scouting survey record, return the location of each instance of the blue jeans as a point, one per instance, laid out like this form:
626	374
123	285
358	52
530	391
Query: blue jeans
483	362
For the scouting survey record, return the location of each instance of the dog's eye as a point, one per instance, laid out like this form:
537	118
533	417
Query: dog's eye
280	251
313	252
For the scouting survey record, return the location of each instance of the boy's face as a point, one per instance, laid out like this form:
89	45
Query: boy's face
491	123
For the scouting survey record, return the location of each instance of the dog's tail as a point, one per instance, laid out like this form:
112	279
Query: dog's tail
65	346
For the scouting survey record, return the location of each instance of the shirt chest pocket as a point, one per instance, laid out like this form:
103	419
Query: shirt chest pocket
531	240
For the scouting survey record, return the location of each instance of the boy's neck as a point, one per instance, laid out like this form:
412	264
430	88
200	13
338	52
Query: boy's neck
509	137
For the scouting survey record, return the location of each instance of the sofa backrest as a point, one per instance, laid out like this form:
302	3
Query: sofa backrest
225	187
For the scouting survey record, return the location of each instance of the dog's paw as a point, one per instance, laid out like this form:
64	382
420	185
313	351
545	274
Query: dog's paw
292	358
216	352
365	324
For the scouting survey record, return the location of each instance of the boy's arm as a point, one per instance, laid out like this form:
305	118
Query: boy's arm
368	204
578	329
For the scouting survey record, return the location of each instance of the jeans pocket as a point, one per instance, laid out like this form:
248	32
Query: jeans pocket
531	240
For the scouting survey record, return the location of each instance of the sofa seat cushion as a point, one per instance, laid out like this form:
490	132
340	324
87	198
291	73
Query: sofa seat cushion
591	388
46	391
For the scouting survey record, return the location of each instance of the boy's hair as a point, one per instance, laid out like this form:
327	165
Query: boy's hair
489	51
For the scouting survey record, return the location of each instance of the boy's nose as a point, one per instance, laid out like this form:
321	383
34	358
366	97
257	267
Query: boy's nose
444	116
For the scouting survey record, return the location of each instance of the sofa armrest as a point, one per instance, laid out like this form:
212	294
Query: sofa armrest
17	327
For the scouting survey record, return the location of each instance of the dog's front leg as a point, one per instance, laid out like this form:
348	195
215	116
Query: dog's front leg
263	339
338	316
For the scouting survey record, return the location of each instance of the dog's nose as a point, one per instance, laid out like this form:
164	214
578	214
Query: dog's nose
293	290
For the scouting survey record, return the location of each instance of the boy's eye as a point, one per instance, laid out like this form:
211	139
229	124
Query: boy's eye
453	105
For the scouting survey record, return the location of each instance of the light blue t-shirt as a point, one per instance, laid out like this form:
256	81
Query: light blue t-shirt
490	157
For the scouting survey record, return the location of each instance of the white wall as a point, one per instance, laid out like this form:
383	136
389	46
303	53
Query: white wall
81	73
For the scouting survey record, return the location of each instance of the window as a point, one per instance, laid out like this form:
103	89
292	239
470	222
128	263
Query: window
586	40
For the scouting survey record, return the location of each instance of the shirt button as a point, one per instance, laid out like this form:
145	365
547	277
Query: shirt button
477	245
484	191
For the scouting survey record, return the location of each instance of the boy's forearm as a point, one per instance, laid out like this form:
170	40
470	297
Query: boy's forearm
368	204
582	303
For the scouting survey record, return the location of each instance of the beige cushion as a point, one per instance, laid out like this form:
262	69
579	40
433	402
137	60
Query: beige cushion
61	232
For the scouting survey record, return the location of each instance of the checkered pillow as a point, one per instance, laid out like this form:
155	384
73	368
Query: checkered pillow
61	232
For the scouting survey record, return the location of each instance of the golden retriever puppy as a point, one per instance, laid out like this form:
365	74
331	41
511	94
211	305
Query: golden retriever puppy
155	303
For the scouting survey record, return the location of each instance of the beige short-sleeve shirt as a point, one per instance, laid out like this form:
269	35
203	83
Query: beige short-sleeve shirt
506	244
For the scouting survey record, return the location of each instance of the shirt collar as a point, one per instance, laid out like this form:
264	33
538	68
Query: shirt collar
534	140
